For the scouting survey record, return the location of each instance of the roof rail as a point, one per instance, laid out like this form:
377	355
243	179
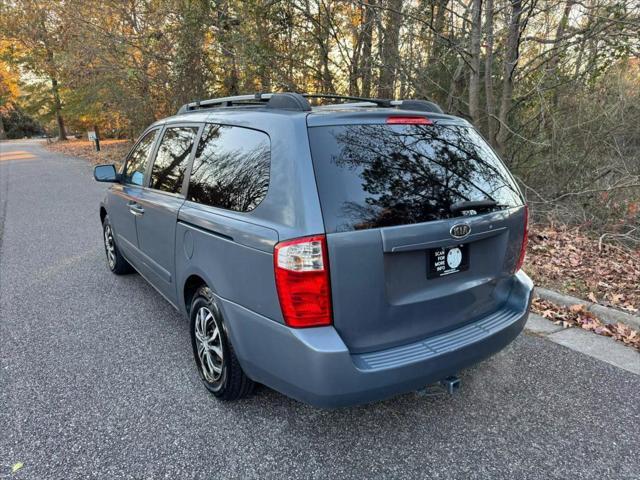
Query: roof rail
410	104
281	101
380	102
298	102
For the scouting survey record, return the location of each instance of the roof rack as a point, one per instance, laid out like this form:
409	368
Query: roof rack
380	102
298	102
256	99
281	101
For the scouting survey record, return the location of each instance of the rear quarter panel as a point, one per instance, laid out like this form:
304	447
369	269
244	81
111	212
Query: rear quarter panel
233	251
233	256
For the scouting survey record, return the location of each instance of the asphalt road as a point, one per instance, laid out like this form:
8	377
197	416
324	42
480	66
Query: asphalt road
97	379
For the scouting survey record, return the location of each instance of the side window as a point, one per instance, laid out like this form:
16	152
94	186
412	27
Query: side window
171	161
231	168
138	160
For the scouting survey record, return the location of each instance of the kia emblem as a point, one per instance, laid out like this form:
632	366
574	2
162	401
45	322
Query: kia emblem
460	230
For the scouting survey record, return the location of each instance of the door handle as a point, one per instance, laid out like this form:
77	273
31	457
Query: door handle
136	209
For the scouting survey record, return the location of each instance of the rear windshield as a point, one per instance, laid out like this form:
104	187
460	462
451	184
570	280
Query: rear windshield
373	176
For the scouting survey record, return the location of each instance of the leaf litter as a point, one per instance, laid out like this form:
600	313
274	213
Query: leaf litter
578	316
568	260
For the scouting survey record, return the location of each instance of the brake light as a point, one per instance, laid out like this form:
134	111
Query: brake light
409	121
525	240
302	279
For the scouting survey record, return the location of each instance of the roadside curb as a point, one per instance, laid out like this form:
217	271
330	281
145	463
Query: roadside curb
606	314
602	348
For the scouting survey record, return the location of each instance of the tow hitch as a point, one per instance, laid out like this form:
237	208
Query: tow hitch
451	384
448	385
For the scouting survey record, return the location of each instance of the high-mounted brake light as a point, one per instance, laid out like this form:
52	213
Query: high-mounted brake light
302	279
409	121
525	240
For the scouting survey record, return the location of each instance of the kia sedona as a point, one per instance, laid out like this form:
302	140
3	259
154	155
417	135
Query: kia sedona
339	253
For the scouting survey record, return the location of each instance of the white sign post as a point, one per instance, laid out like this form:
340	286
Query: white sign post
94	137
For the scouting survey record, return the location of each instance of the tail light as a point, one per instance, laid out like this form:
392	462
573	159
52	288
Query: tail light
525	240
406	120
302	280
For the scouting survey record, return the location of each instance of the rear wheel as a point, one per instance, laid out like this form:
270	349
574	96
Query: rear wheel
115	261
215	358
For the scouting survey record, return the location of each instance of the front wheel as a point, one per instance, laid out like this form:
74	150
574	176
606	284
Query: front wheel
215	358
115	261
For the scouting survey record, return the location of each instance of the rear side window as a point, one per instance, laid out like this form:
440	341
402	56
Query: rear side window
171	161
231	168
139	159
372	176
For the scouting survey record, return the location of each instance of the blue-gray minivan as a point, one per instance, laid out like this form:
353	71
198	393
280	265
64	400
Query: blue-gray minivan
339	253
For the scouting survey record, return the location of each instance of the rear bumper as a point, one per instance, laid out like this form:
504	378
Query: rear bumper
314	365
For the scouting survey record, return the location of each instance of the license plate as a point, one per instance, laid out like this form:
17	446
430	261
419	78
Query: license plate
447	261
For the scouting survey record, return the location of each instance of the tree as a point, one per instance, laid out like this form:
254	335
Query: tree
8	93
37	27
542	79
474	71
512	54
190	70
390	48
488	73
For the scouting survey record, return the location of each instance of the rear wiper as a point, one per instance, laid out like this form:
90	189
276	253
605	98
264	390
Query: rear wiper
472	205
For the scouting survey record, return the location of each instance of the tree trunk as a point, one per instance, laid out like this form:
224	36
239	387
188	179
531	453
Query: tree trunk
510	62
261	13
367	44
552	68
457	75
57	104
488	74
390	47
474	76
57	107
354	65
3	134
438	29
190	62
231	81
323	28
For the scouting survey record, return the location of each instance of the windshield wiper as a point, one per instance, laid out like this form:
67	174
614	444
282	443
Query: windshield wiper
473	205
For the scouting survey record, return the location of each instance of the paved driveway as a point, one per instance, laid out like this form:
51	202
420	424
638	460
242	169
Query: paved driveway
97	380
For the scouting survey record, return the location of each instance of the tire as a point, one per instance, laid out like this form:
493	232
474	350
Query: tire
115	261
221	374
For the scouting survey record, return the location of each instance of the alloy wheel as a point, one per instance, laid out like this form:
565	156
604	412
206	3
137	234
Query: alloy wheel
110	246
209	345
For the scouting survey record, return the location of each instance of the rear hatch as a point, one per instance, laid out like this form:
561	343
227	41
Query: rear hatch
424	226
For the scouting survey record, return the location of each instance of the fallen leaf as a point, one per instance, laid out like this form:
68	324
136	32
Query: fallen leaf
16	466
617	297
578	316
578	307
568	259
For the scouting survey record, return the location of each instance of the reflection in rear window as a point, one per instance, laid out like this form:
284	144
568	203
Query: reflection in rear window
373	176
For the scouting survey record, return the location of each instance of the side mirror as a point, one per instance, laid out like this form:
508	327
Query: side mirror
105	173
